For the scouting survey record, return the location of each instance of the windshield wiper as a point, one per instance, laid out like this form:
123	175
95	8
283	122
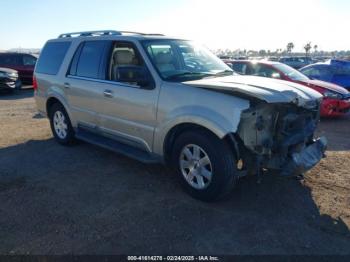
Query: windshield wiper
224	73
184	74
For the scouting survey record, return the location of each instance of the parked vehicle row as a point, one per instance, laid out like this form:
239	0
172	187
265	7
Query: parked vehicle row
161	99
23	63
336	100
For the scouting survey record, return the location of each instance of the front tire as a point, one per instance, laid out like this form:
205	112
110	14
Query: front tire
61	126
205	165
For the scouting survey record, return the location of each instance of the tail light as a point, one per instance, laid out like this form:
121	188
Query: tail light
35	83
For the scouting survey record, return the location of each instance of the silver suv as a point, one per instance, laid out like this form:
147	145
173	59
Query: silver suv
161	99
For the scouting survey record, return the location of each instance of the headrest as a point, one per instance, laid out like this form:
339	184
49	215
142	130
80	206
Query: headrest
123	57
164	58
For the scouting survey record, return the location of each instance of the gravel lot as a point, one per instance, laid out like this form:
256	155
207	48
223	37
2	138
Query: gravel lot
86	200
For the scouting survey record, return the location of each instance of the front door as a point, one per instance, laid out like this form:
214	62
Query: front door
129	98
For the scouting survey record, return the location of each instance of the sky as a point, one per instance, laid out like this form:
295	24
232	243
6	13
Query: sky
233	24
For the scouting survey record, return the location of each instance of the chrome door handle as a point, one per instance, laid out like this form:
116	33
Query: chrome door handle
66	85
108	93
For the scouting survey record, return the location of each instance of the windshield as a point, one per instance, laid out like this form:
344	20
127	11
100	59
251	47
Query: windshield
291	72
179	60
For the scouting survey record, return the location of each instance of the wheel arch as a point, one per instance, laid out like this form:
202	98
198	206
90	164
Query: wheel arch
180	128
51	100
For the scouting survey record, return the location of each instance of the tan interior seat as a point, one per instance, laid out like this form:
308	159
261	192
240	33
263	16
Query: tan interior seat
164	61
121	58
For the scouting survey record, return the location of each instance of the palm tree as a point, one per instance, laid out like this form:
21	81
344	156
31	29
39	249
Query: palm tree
307	48
290	47
315	48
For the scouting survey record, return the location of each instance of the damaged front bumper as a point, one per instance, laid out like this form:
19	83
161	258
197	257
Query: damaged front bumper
303	161
280	137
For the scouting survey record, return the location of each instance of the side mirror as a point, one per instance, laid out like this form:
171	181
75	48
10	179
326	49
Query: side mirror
135	75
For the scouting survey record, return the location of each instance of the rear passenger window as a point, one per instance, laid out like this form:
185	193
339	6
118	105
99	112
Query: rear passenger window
28	60
51	57
90	59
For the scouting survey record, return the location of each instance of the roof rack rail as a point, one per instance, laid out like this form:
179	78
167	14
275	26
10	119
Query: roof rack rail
138	33
90	33
102	33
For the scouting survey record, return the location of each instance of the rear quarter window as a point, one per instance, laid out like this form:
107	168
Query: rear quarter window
51	57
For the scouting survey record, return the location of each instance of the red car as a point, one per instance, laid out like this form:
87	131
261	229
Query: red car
23	63
336	100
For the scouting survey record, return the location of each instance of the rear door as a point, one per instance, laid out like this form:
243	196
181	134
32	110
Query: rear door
82	84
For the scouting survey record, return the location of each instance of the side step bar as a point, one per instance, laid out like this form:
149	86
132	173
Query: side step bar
116	146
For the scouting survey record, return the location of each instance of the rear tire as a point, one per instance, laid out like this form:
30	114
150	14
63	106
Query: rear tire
205	165
61	126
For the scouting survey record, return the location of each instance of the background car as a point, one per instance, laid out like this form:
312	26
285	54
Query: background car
9	79
336	100
296	61
334	71
23	63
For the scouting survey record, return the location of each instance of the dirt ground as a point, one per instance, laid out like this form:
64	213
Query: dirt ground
87	200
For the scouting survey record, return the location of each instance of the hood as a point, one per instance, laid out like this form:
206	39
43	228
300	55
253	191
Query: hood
327	85
7	70
266	89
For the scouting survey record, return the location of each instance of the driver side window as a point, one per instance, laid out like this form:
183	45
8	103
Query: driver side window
127	66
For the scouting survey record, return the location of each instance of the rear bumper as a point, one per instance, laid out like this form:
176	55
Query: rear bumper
303	161
334	107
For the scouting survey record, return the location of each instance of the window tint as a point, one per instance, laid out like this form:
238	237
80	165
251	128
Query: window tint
9	60
51	57
28	60
90	59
